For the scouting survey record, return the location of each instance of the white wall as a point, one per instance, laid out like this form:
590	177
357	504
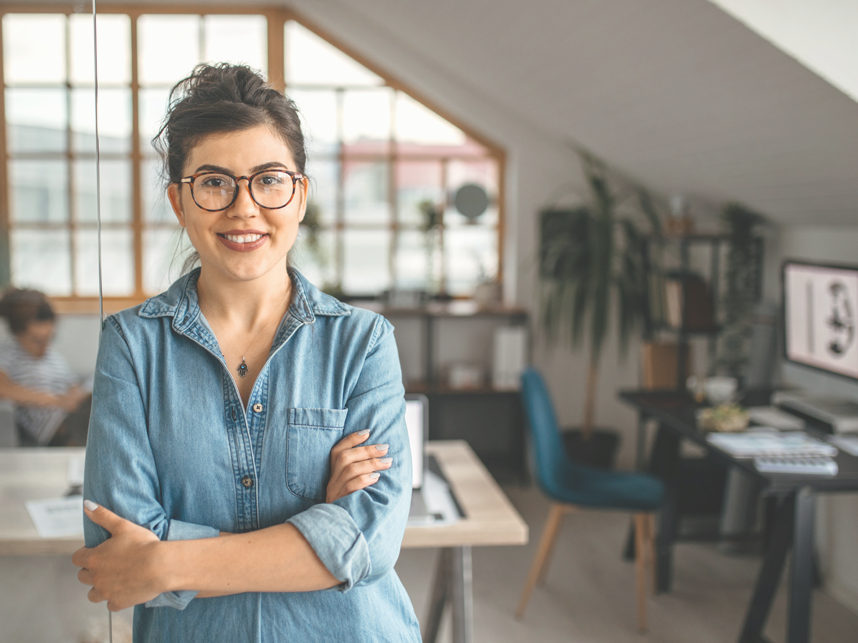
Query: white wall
837	514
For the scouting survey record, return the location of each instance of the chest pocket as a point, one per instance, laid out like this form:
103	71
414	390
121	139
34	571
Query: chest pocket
310	436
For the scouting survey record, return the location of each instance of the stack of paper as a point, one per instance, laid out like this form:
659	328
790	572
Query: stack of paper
57	517
749	445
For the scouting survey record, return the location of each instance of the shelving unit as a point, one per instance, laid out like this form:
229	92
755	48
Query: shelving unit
716	244
490	420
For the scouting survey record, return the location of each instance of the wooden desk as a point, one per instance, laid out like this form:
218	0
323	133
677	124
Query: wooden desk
490	519
793	523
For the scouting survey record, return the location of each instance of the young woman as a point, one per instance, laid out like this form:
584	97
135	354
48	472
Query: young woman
222	497
50	408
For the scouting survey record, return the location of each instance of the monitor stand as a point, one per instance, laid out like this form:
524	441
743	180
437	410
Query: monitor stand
840	414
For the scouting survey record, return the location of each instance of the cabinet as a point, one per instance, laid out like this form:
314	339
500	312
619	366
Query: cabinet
490	420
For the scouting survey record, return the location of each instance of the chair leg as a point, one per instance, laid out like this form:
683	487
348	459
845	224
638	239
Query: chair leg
640	568
543	553
650	545
551	530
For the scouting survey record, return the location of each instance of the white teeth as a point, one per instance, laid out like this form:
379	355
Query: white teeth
245	238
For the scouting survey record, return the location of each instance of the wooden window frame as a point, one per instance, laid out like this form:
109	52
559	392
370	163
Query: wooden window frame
276	21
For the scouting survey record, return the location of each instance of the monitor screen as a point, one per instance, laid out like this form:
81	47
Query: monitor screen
414	415
820	306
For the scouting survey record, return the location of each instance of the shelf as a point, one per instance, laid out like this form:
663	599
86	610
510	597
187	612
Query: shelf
451	309
442	389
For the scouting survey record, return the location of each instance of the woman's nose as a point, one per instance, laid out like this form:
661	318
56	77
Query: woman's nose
244	205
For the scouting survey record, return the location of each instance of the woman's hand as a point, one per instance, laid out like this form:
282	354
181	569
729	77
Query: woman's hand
122	570
355	467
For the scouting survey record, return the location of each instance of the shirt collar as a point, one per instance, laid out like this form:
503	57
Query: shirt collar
180	302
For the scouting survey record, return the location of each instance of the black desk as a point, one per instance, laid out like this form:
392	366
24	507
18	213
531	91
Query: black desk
794	507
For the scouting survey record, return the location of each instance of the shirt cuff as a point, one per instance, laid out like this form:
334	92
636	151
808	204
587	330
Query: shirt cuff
178	530
337	541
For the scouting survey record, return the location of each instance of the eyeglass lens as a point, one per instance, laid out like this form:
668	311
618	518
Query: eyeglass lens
270	190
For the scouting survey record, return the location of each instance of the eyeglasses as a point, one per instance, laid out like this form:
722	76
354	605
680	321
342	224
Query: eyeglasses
269	189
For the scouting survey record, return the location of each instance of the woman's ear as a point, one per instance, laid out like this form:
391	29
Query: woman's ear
175	196
302	205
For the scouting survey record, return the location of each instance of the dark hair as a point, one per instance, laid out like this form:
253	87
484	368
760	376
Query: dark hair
221	98
217	99
21	307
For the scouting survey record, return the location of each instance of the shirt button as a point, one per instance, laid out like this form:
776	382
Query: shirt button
247	481
257	408
233	415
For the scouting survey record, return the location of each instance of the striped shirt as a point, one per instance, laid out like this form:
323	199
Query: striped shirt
49	374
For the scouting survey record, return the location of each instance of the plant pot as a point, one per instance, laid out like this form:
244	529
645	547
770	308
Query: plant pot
598	451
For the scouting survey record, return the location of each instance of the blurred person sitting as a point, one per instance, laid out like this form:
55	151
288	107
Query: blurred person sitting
50	408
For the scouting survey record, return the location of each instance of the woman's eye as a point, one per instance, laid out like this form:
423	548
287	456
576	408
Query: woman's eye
214	182
271	180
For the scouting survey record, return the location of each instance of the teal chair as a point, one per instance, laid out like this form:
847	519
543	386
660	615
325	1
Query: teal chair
572	486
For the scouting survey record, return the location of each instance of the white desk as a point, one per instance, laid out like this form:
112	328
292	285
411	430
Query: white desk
490	519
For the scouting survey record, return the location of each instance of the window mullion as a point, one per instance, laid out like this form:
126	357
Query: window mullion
136	166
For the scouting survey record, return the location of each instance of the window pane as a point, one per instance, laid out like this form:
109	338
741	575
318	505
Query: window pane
416	257
169	47
164	252
237	39
366	121
114	49
318	110
34	48
366	270
419	125
36	120
39	190
117	252
472	257
156	206
313	61
153	108
315	257
114	120
40	260
323	188
417	182
482	173
365	191
115	190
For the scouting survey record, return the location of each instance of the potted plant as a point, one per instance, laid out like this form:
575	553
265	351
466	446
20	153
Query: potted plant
591	271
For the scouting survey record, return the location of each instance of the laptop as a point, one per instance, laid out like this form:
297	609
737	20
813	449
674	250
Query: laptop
432	502
417	423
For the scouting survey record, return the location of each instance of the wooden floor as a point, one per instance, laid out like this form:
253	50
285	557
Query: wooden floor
589	595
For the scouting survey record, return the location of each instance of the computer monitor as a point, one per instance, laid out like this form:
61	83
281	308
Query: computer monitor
820	310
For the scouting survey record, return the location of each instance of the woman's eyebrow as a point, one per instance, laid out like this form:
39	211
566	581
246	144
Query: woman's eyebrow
259	168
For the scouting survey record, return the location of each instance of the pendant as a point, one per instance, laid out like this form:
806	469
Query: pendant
242	368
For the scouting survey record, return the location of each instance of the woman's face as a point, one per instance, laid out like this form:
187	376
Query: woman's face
245	241
37	337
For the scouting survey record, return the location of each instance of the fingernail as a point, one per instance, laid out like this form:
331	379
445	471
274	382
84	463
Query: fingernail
89	504
382	447
385	460
364	432
374	475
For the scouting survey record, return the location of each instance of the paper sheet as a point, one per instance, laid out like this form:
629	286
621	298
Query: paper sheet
749	445
57	517
773	416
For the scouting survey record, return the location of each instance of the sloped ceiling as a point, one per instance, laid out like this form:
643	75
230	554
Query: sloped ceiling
675	93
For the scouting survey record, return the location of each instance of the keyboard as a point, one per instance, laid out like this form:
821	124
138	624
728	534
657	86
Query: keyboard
814	465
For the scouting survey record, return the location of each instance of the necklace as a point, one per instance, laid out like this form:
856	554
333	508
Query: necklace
243	368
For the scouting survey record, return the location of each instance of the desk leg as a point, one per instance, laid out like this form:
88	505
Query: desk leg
801	571
770	574
664	463
440	594
462	595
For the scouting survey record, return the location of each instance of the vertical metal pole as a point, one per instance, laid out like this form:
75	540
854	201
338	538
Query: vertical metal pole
463	599
440	595
801	572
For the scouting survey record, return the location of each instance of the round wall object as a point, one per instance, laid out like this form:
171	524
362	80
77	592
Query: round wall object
471	201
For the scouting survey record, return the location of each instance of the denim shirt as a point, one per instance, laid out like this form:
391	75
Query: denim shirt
171	447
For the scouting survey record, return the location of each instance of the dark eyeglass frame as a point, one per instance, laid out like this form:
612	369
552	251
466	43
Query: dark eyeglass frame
189	180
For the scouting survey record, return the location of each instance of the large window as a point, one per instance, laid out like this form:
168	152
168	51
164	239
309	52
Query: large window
389	175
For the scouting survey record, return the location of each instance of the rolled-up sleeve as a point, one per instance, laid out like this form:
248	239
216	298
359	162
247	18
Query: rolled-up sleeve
358	537
120	471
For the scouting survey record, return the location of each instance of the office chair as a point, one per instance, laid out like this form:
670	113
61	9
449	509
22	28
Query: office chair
572	486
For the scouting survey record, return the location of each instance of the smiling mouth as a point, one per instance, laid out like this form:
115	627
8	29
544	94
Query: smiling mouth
242	238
